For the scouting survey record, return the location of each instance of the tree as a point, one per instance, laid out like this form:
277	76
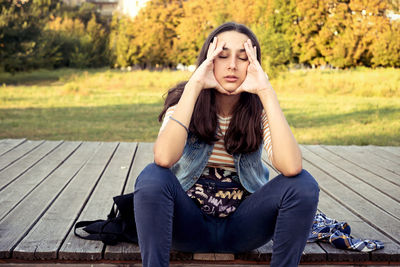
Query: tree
311	17
121	35
350	30
276	34
148	39
21	23
198	20
385	48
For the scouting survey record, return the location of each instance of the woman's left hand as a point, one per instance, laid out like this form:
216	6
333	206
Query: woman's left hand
256	79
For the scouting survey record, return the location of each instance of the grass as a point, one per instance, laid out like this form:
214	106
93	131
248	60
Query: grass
358	107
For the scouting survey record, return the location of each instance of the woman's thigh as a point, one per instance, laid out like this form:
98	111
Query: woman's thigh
193	231
159	193
254	222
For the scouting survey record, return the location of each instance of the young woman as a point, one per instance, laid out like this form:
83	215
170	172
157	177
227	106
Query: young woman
208	190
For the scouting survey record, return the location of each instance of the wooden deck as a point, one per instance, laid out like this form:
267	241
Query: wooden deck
46	186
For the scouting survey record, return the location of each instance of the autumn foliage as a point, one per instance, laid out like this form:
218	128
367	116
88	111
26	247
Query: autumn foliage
335	33
308	33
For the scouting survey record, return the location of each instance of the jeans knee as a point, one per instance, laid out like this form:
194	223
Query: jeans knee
306	188
154	179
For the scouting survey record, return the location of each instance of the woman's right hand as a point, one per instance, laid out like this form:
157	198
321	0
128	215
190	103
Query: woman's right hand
171	141
204	74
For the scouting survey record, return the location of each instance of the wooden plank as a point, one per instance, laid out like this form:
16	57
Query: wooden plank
8	144
368	211
214	256
365	163
313	253
23	186
143	157
379	151
9	174
358	186
394	150
123	251
13	155
127	251
378	159
20	220
371	179
263	253
100	204
359	229
45	238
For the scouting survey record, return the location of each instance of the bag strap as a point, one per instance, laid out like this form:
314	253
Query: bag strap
106	238
82	224
113	212
124	205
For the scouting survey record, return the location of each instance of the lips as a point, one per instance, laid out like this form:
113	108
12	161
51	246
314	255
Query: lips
231	78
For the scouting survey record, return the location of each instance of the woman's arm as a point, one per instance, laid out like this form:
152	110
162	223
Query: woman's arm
286	154
170	142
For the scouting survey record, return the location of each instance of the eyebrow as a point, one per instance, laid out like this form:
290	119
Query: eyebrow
240	50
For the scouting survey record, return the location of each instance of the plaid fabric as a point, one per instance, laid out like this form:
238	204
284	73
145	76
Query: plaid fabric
338	234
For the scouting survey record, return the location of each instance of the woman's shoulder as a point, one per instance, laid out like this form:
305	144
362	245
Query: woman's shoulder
264	116
170	110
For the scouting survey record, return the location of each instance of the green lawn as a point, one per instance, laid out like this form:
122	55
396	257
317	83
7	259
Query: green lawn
323	107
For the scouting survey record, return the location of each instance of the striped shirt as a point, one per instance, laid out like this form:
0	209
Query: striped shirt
220	158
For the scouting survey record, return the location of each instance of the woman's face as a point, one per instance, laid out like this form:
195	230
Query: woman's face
230	66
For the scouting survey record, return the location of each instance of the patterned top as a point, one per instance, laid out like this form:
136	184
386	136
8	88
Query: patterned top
215	192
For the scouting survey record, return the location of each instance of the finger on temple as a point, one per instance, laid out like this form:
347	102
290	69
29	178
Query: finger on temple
219	49
211	47
248	52
215	42
249	42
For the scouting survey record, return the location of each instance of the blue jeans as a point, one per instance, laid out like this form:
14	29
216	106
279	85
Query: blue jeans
283	209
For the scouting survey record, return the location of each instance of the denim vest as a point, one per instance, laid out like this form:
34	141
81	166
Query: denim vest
251	171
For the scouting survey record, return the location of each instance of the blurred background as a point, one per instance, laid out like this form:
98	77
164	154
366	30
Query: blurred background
98	69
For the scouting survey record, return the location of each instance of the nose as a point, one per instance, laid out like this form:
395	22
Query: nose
232	63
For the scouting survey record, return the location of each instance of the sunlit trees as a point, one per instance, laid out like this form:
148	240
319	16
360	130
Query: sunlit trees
44	34
148	39
338	33
20	28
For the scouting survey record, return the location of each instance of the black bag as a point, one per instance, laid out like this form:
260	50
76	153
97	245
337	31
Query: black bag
119	227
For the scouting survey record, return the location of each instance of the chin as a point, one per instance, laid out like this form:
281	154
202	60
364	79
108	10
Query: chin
230	88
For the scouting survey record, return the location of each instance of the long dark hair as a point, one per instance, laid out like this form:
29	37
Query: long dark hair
244	134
